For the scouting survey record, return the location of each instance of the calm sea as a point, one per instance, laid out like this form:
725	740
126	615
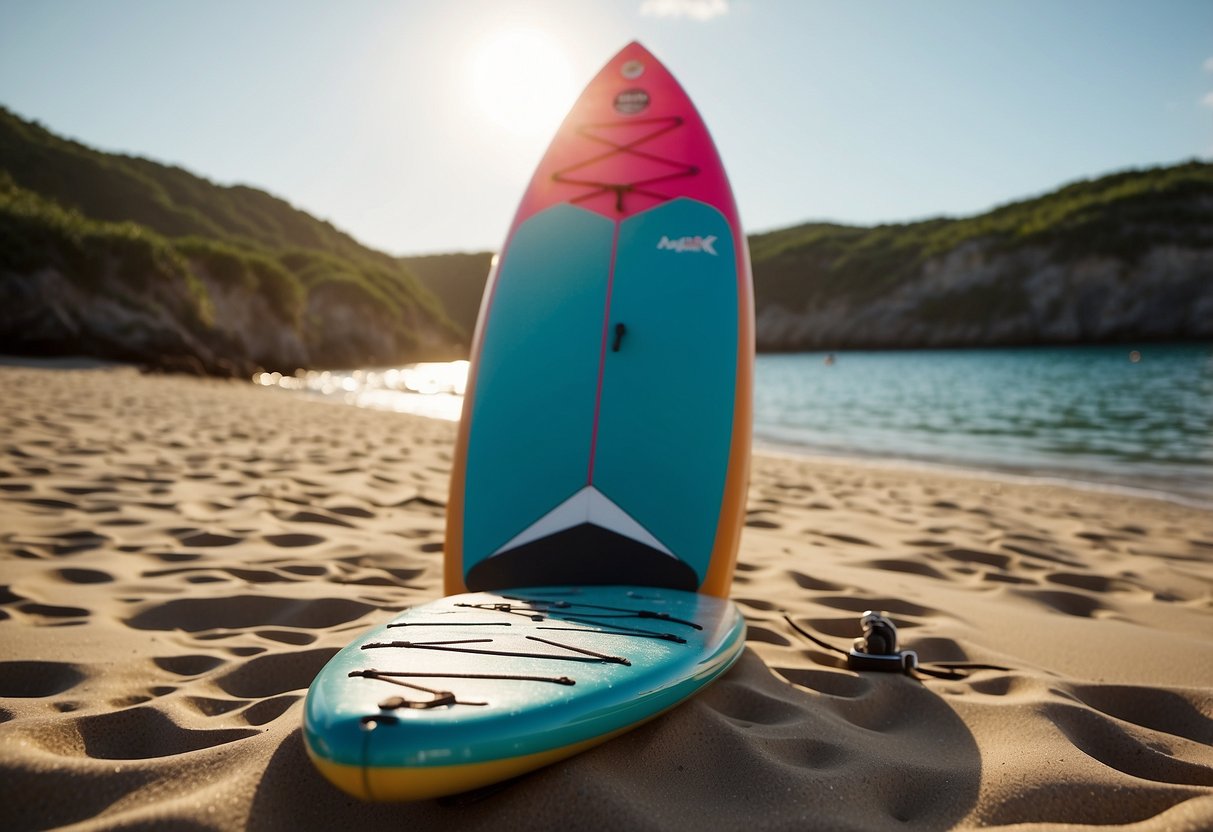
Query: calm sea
1095	414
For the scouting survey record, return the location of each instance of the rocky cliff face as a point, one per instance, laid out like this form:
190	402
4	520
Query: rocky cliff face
237	333
49	314
979	294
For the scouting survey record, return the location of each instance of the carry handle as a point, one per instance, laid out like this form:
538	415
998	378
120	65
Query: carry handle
620	330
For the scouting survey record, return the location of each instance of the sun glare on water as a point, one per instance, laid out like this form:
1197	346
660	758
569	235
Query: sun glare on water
521	81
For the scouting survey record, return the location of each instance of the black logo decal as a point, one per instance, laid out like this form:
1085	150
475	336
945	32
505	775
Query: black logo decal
630	102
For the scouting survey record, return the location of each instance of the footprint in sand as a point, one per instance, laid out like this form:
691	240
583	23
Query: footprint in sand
210	706
46	502
245	652
999	577
892	606
246	611
201	540
938	649
1038	555
907	566
275	673
145	732
751	706
175	557
84	576
1006	685
126	701
52	611
841	628
1182	713
755	520
969	556
807	582
188	665
37	679
846	538
763	635
1091	583
267	710
315	517
829	682
756	604
928	543
1069	603
290	541
1158	758
73	543
352	511
295	637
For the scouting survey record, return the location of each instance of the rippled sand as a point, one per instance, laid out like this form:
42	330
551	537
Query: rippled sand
179	557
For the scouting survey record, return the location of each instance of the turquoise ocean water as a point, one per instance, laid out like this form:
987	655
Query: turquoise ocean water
1089	414
1083	413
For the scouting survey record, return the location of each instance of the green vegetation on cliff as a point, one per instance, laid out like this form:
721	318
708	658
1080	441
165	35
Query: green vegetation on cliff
163	241
1120	216
457	280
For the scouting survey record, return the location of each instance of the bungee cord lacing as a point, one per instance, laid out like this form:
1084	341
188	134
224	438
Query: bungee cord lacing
662	126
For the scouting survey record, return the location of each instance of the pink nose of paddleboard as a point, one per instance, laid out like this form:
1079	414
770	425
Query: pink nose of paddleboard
625	146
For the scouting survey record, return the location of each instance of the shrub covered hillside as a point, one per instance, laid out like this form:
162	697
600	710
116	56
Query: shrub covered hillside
1119	258
457	279
121	257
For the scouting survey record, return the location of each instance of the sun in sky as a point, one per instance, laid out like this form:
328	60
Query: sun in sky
521	80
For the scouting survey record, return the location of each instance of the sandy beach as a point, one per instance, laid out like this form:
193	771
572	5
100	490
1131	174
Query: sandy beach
179	557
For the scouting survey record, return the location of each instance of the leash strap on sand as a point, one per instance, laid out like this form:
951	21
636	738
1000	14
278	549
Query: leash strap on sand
938	670
812	637
954	670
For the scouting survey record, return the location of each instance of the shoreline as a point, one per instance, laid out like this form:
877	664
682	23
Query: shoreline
993	473
439	411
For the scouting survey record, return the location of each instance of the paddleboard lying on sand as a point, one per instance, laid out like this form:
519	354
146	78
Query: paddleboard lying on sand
477	688
598	486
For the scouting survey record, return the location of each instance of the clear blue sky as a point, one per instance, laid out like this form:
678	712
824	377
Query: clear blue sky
387	118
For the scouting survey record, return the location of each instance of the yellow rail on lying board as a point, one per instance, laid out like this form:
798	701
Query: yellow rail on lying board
427	782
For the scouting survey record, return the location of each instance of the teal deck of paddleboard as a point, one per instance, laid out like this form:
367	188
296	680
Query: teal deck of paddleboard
665	420
519	717
532	416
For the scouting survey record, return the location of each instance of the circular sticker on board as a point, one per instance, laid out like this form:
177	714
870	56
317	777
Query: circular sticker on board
632	70
630	102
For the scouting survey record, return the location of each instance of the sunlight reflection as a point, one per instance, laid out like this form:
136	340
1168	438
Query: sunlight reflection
433	389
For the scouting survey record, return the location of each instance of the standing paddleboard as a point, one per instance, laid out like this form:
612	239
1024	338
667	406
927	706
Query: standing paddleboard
606	428
598	490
